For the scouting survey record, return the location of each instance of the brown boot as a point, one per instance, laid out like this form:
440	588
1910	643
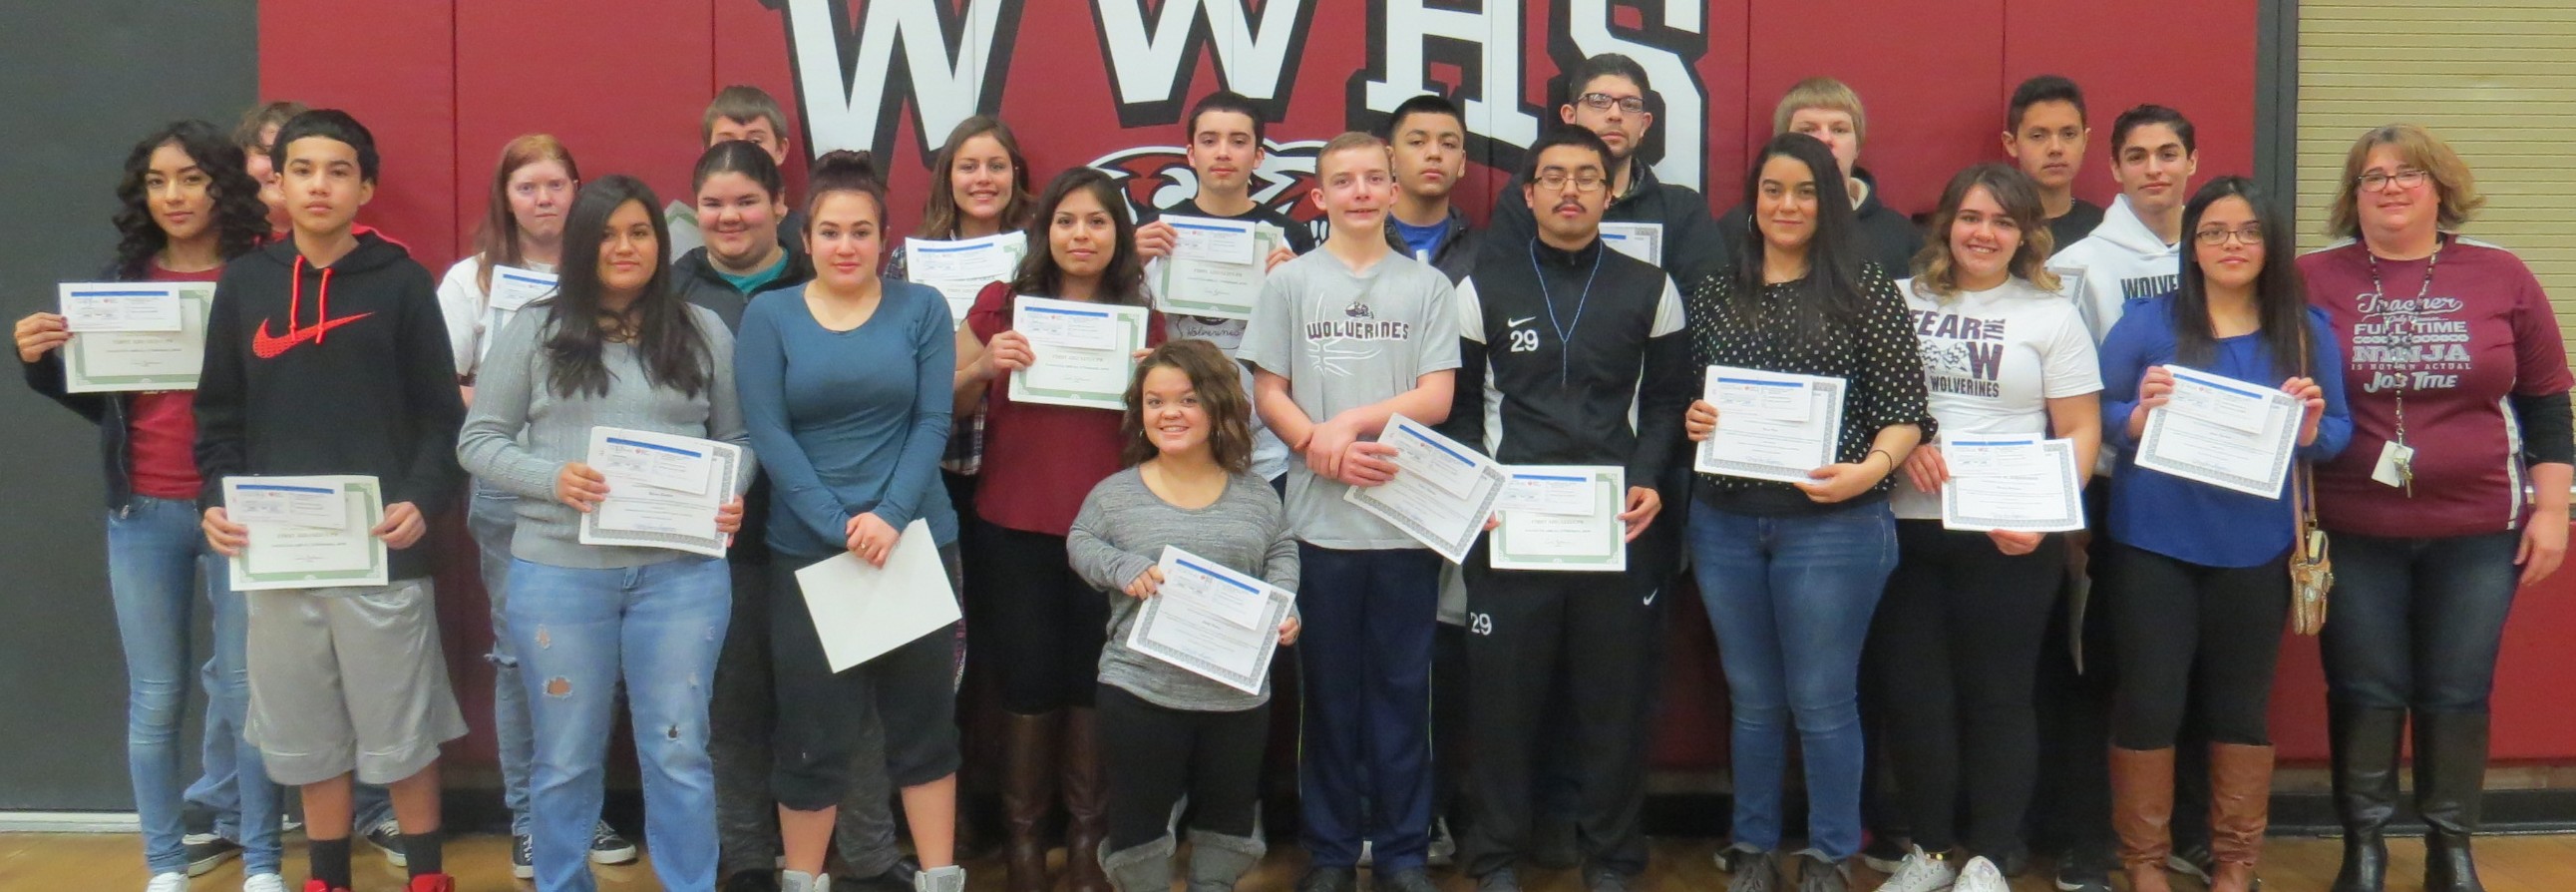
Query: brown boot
1028	795
1086	804
2240	806
2142	814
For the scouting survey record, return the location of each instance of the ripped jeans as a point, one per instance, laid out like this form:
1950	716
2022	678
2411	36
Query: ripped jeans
579	633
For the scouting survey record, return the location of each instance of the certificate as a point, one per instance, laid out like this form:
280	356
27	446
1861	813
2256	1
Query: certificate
2223	432
1644	241
2023	484
131	336
1085	351
1771	426
1216	266
960	269
1442	492
1540	538
289	548
861	611
1212	621
663	490
513	287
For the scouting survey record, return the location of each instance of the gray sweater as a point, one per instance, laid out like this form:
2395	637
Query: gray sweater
521	433
1121	531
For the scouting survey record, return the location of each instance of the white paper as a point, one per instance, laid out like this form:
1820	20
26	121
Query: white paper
2022	484
862	611
513	288
91	309
1533	491
1084	351
127	361
1748	444
1644	241
961	269
2210	443
1213	239
1215	286
1771	398
1418	501
248	502
1211	620
661	461
663	490
1591	539
286	554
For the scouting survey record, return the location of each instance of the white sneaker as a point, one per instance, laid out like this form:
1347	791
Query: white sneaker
264	882
1920	872
1981	876
174	881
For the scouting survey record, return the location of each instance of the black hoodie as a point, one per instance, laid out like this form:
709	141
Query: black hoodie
344	369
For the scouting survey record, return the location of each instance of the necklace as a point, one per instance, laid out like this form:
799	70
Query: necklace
1565	331
2405	460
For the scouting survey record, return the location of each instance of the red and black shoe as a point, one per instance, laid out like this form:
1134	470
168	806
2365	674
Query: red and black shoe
431	882
320	886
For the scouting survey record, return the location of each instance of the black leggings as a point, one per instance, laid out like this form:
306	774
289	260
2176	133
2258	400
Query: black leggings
1153	756
821	712
2202	637
1044	627
1958	637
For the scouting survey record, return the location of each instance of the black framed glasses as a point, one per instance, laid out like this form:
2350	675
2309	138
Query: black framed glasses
1583	182
1603	102
2405	179
2250	233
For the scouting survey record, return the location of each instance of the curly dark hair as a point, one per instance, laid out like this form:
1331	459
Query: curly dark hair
240	218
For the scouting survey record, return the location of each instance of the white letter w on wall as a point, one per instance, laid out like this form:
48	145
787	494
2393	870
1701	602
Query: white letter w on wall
852	92
1152	68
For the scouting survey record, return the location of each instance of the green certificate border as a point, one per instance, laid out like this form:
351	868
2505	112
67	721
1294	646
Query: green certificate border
1132	336
1265	239
375	573
199	295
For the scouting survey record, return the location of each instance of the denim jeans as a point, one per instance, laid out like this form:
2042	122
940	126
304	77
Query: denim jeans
1790	599
493	516
2415	623
155	552
581	633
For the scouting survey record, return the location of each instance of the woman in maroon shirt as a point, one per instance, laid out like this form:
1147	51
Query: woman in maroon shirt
1039	463
2458	387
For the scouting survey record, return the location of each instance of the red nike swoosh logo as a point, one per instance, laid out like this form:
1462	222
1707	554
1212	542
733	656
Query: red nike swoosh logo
269	346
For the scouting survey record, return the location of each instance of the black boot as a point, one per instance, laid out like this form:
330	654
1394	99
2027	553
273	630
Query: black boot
2365	742
2450	772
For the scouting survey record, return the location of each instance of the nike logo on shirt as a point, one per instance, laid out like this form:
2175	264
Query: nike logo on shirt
1516	323
269	346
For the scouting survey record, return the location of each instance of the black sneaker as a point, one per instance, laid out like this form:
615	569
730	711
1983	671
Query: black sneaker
1749	870
1330	879
1504	880
386	836
207	851
2079	871
523	857
606	847
1816	873
1411	880
1885	854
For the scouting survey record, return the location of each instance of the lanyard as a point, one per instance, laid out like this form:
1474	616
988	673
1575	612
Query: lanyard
2379	297
1565	331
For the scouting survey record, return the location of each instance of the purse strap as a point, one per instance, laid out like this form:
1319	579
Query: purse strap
2303	474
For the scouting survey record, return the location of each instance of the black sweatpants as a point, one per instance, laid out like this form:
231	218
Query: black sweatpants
1958	636
822	714
1046	631
1527	632
2193	637
1154	755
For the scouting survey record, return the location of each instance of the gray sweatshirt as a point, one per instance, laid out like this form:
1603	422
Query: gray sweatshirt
520	433
1121	531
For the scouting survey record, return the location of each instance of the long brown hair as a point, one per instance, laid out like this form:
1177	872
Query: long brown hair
1122	281
1934	274
496	242
939	213
1220	393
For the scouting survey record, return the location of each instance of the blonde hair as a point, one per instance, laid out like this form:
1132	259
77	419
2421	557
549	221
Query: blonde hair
1825	93
2418	148
1347	141
1934	272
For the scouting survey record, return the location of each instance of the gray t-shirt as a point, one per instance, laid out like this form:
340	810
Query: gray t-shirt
1345	339
1122	529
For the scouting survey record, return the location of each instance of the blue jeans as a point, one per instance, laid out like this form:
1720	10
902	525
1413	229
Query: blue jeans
1790	599
155	552
492	518
2415	623
579	634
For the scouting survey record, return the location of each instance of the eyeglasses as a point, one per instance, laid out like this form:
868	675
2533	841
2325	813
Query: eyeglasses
2250	233
2405	179
1558	180
1603	102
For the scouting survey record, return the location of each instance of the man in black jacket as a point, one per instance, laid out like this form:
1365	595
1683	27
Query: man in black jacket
1428	136
1608	95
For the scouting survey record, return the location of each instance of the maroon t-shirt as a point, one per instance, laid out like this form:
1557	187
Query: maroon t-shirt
1040	461
2482	331
161	426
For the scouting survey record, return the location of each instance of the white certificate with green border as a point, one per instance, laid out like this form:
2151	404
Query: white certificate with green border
1190	284
1085	351
143	357
287	554
1539	531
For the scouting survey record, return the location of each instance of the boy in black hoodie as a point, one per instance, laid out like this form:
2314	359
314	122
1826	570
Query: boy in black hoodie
344	680
1828	110
1608	94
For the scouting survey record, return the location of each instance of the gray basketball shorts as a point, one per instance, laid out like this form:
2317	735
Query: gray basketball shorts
348	680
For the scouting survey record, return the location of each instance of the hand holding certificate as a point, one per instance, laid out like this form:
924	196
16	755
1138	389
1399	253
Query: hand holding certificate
1211	620
1770	425
130	336
1216	266
1561	517
306	532
1084	351
960	269
1442	492
2020	484
2223	432
664	490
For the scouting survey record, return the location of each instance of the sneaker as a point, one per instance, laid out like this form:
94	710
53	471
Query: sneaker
2079	872
1921	871
1885	853
431	882
173	881
386	836
1980	875
606	847
523	857
1504	880
207	851
1330	879
264	882
1816	873
1605	881
1751	870
1414	880
1443	850
317	886
940	879
2195	861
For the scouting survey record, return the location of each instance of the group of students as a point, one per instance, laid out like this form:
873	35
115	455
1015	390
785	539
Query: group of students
1844	611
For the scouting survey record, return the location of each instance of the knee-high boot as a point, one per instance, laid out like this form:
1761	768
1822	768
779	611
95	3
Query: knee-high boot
2240	807
1086	803
2365	742
2450	773
2142	814
1028	795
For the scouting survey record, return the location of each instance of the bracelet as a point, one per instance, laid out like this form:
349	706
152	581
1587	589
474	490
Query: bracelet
1891	458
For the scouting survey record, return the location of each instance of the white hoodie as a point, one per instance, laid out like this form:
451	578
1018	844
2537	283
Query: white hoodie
2122	259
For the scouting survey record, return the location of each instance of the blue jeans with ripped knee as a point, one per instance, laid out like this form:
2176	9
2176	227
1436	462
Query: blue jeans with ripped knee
579	634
